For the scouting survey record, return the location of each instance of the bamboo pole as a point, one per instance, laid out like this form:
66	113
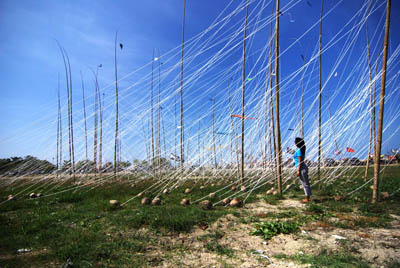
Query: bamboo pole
95	124
375	194
320	95
151	113
278	151
116	106
58	124
233	135
302	97
272	116
213	133
68	106
268	87
243	91
101	102
231	118
119	150
163	132
266	122
70	115
183	42
176	128
198	142
188	149
84	114
373	108
371	101
159	117
146	134
271	140
236	130
260	139
68	79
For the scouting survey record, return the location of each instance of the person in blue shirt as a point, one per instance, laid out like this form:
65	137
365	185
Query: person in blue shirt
301	167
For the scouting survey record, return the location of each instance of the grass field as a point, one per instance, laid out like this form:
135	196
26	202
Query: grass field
80	226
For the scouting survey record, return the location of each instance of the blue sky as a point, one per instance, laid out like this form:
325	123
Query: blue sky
30	61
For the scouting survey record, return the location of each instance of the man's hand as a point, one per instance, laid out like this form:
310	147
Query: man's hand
298	173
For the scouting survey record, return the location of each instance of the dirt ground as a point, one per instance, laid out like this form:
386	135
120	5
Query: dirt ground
376	246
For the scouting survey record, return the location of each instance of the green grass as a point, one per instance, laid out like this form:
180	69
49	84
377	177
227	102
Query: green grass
211	243
214	246
274	199
81	226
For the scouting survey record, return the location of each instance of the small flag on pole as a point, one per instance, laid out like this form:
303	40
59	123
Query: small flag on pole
239	116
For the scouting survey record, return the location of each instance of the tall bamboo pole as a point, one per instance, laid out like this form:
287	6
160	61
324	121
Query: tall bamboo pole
233	135
101	102
58	125
260	137
119	150
159	117
58	139
151	113
68	106
221	158
236	130
278	129
320	94
371	101
70	117
268	87
198	142
96	95
375	194
272	117
68	79
373	107
374	104
231	118
265	121
183	42
60	122
302	97
243	91
271	141
163	132
146	134
213	132
116	106
84	114
188	149
176	128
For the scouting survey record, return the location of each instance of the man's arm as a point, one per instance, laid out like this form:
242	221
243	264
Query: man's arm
298	168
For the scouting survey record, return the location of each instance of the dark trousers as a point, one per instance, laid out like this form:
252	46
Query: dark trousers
304	179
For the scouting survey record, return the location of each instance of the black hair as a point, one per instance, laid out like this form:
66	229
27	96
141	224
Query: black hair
300	144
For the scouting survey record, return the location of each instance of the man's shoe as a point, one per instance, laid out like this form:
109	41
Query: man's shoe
306	200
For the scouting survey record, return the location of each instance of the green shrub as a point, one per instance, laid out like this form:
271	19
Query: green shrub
270	229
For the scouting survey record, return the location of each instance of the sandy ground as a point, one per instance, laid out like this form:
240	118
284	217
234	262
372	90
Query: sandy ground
376	246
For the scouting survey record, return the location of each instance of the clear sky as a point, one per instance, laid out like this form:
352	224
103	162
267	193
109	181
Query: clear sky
30	61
